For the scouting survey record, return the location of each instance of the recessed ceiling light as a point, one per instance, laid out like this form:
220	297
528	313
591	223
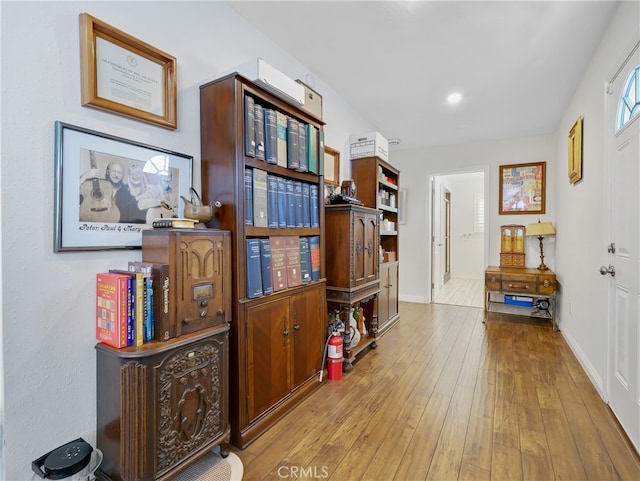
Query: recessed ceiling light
454	98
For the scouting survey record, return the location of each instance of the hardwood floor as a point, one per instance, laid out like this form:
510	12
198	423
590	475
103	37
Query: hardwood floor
460	292
446	397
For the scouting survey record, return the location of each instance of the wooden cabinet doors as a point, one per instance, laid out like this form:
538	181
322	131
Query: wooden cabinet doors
284	344
365	248
388	297
307	313
268	354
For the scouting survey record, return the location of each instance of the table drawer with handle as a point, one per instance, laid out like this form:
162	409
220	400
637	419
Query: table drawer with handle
515	283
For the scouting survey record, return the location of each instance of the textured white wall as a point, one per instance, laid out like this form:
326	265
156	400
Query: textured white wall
467	247
582	222
48	299
417	165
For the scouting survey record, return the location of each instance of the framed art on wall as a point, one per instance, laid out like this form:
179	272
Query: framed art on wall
122	74
522	188
109	189
331	166
575	152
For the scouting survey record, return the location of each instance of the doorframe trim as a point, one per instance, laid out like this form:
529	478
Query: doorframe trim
488	206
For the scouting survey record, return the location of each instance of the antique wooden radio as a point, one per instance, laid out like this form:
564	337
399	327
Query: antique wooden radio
512	246
199	275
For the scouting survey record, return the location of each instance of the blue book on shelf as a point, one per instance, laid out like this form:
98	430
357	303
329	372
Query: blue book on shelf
265	266
282	203
306	206
313	206
272	201
305	260
254	268
297	188
249	127
258	122
291	204
270	136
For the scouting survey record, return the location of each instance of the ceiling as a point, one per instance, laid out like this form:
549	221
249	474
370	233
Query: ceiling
516	63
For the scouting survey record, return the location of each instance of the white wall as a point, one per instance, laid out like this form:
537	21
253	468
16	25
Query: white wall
582	223
48	304
417	165
467	260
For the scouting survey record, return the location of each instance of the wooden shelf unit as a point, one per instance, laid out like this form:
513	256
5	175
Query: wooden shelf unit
353	270
378	187
277	340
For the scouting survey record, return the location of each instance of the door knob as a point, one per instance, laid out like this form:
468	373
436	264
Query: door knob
608	270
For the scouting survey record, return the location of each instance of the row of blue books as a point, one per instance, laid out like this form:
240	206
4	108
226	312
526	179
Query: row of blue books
277	202
276	138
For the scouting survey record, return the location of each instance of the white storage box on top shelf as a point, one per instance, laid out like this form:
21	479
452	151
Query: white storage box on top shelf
273	80
371	144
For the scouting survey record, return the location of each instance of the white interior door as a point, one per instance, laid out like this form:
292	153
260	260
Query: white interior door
624	305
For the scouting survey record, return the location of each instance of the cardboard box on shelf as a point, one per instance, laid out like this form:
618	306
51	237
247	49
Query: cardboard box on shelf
371	144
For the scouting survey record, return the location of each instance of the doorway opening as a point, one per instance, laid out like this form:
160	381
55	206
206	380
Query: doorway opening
458	238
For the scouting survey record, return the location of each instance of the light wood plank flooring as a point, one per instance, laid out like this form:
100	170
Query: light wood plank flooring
460	292
446	397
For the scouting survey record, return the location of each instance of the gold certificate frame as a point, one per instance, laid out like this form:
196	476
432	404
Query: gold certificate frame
575	152
124	75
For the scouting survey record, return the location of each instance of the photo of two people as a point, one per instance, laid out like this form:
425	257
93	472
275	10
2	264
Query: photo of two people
120	190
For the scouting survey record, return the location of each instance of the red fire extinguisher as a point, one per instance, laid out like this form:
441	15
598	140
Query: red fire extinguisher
334	357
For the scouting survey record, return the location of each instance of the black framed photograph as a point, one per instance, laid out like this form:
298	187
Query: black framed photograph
109	189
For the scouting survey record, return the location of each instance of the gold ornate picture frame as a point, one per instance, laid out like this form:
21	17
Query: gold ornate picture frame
124	75
575	152
523	188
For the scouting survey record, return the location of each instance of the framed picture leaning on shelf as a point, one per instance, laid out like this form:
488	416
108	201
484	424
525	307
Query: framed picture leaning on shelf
109	189
331	172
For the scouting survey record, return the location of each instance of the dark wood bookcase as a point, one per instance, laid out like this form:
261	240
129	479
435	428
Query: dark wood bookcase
277	340
378	186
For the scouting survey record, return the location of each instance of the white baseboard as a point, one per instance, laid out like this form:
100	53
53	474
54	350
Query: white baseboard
592	373
416	299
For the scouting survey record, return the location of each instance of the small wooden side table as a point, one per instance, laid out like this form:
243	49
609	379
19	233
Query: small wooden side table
538	285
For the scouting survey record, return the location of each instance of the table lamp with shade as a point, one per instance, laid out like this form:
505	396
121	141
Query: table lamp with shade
540	230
